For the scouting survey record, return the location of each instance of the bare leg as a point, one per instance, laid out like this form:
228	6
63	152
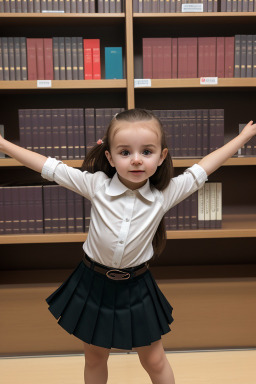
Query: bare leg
154	361
96	370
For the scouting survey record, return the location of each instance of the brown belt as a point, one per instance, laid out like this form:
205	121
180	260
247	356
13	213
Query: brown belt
116	274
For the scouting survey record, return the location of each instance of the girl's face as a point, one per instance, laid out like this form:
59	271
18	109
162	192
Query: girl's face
135	151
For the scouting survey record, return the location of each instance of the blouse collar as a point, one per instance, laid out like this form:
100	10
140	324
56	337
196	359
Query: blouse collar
116	188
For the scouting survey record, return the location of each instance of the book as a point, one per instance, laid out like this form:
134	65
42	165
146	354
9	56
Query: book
113	63
92	62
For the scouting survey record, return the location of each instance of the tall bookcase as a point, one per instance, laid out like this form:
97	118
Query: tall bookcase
209	276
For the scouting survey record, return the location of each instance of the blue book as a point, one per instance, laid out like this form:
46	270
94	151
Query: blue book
113	63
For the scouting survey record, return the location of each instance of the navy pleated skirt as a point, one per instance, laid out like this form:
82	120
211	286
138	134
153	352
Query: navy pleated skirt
109	313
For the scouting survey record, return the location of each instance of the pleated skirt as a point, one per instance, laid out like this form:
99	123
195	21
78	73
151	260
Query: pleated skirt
109	313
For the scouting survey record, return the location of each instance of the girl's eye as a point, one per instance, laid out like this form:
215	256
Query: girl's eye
147	152
125	152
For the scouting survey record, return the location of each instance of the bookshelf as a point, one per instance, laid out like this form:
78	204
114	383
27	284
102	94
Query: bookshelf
189	259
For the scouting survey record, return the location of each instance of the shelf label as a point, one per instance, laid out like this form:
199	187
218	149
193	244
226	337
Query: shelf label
192	8
208	80
44	83
142	83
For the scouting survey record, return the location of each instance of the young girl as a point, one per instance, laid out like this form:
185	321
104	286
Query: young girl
111	299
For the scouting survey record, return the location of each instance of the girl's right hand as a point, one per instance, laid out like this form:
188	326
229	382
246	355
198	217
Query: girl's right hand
249	131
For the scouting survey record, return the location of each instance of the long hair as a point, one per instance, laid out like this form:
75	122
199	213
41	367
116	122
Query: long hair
96	161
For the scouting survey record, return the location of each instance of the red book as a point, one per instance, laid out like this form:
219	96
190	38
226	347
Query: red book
147	58
206	56
31	59
48	59
92	67
40	58
174	58
229	56
220	63
187	57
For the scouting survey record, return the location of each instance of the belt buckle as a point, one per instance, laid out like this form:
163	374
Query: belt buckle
116	274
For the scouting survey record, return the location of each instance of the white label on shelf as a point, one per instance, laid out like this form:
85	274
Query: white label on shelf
44	83
192	8
142	83
208	80
45	11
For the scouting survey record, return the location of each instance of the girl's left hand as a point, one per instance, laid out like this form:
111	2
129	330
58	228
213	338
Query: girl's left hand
249	131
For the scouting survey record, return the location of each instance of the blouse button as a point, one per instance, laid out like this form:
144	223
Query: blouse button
127	219
121	241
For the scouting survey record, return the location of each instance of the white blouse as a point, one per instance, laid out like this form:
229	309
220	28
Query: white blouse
123	222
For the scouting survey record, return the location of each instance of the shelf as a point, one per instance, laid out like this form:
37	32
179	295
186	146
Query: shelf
196	15
46	15
64	84
195	83
233	226
179	163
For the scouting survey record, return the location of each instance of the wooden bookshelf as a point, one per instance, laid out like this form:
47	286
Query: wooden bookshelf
179	163
163	94
232	226
64	84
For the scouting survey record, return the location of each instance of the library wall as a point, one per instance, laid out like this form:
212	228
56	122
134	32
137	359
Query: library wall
208	275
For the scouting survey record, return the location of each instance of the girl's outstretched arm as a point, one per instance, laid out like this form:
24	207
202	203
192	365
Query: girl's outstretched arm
28	158
216	158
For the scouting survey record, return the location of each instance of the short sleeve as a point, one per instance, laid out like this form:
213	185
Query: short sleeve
81	182
184	185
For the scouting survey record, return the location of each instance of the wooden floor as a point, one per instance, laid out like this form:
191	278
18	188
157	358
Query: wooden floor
218	367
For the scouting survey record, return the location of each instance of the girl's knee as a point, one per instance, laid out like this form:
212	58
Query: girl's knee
95	356
153	360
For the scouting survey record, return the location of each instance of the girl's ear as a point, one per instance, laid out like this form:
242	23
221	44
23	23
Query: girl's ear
109	157
163	156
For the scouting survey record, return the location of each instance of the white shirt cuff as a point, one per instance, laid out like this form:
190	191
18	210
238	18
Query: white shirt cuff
49	168
199	174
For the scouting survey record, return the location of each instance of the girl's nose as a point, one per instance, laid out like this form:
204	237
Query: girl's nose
136	159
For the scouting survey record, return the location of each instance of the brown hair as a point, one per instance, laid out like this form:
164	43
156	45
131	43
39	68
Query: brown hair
96	160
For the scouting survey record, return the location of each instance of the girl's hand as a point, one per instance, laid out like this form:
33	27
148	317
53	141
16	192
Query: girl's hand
249	131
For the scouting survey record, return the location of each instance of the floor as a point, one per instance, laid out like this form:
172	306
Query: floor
199	367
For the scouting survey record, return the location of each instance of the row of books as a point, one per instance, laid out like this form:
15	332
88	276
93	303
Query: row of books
188	57
238	6
64	133
174	6
245	56
61	6
201	210
178	6
57	58
249	149
42	209
192	133
54	209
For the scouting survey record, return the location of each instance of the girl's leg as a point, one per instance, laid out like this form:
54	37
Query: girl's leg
95	370
154	361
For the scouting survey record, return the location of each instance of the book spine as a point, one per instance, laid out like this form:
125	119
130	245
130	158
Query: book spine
70	211
41	132
113	63
229	56
74	55
192	133
23	54
10	43
79	225
237	71
48	132
62	202
62	133
47	212
31	59
201	208
70	140
147	58
5	57
199	132
194	210
17	58
35	130
1	61
55	133
87	63
218	205
220	64
56	59
90	138
80	54
82	147
207	205
243	55
213	210
68	59
249	56
76	133
48	59
96	67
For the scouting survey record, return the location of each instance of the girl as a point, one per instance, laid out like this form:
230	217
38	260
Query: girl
111	299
